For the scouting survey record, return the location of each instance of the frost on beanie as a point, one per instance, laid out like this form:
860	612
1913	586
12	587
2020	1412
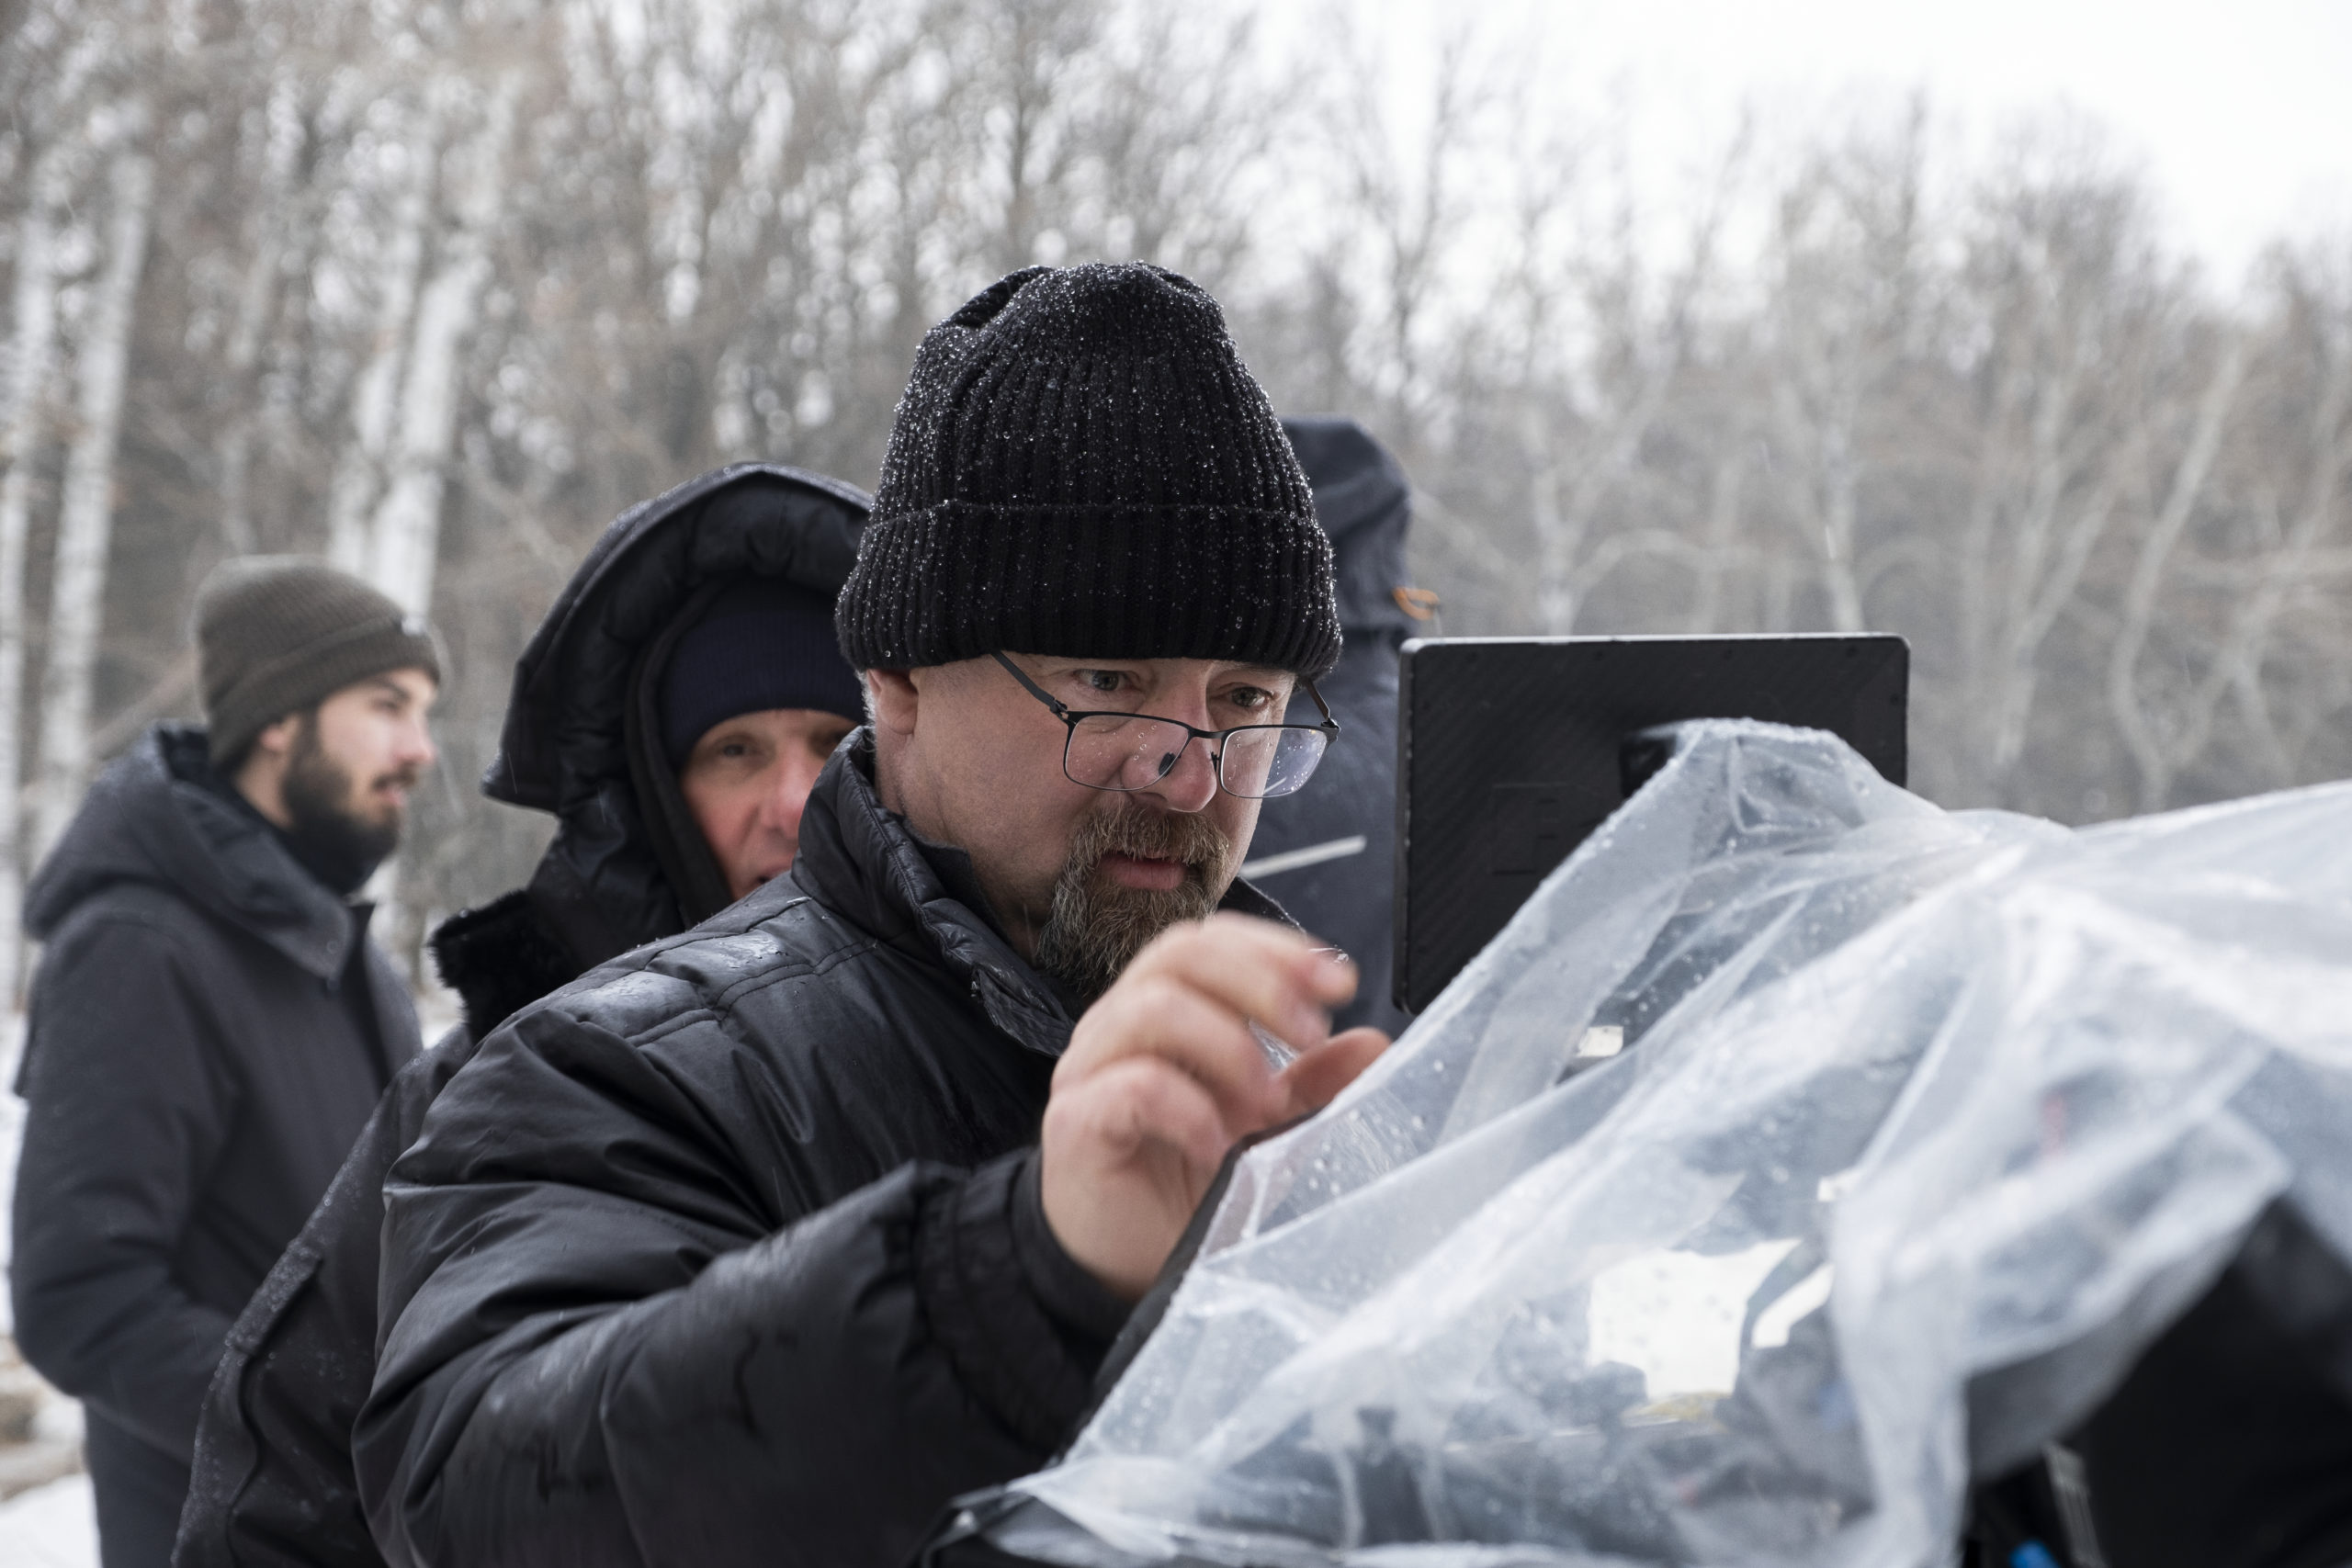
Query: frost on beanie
277	634
1082	465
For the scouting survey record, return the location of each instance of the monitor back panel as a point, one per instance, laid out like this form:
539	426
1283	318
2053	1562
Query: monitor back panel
1508	755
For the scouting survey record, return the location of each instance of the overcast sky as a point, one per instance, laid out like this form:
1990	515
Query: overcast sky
2240	110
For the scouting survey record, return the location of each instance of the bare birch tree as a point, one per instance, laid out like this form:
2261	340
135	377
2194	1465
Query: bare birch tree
31	353
1845	253
2161	743
406	529
85	522
44	71
2060	285
375	399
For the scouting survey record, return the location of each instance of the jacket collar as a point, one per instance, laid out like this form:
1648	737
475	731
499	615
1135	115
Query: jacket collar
155	815
860	860
501	957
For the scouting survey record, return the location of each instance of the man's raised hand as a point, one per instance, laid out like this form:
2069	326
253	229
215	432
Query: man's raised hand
1163	1076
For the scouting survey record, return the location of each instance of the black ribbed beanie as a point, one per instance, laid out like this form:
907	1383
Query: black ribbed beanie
1082	465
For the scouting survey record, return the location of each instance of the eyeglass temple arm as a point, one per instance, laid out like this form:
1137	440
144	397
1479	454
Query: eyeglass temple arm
1034	689
1321	707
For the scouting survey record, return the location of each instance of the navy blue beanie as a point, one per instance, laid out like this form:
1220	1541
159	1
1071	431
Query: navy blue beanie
763	643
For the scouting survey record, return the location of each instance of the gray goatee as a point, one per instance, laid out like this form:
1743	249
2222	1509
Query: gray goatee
1096	929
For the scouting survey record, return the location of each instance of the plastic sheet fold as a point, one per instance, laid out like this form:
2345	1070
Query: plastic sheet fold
1799	1150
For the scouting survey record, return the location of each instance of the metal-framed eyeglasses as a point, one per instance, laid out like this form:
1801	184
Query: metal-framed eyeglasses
1126	752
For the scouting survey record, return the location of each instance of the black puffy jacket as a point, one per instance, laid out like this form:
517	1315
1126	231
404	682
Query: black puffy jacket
210	1028
730	1252
273	1484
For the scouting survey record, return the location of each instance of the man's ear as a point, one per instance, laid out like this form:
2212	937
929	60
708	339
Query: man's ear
892	697
276	739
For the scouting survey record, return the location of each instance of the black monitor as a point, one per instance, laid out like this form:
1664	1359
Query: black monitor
1511	751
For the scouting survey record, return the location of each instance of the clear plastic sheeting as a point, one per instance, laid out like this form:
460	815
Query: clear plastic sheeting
1923	1124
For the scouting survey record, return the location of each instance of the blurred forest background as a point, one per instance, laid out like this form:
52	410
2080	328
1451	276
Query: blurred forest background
439	287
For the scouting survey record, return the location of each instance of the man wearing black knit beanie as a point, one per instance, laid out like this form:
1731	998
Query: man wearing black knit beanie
772	1239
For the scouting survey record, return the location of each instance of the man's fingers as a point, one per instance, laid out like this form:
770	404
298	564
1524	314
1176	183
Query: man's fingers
1159	1016
1127	1154
1318	1074
1138	1102
1163	1074
1257	968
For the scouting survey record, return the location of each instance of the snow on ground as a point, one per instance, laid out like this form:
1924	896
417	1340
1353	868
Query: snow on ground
54	1525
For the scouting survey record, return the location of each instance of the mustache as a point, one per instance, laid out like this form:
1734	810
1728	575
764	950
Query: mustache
1130	828
405	777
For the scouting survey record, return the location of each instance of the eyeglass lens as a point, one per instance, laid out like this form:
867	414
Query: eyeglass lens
1121	751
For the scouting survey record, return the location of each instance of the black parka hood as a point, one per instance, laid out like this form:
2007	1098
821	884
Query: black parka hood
1365	504
154	817
565	746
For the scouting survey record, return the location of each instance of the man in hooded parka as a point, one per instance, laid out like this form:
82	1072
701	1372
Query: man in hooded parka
595	691
1364	503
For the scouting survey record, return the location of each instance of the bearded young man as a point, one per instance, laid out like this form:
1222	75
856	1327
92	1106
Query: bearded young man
759	1245
209	1026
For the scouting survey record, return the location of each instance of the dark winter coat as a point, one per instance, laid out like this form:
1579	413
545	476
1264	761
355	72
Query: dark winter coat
196	1068
730	1252
274	1481
1364	503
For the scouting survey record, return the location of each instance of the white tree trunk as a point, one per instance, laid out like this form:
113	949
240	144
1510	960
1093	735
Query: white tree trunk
257	298
86	519
408	523
359	477
405	534
30	361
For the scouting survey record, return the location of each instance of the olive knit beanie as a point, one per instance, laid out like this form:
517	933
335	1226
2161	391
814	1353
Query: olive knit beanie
277	634
1082	465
